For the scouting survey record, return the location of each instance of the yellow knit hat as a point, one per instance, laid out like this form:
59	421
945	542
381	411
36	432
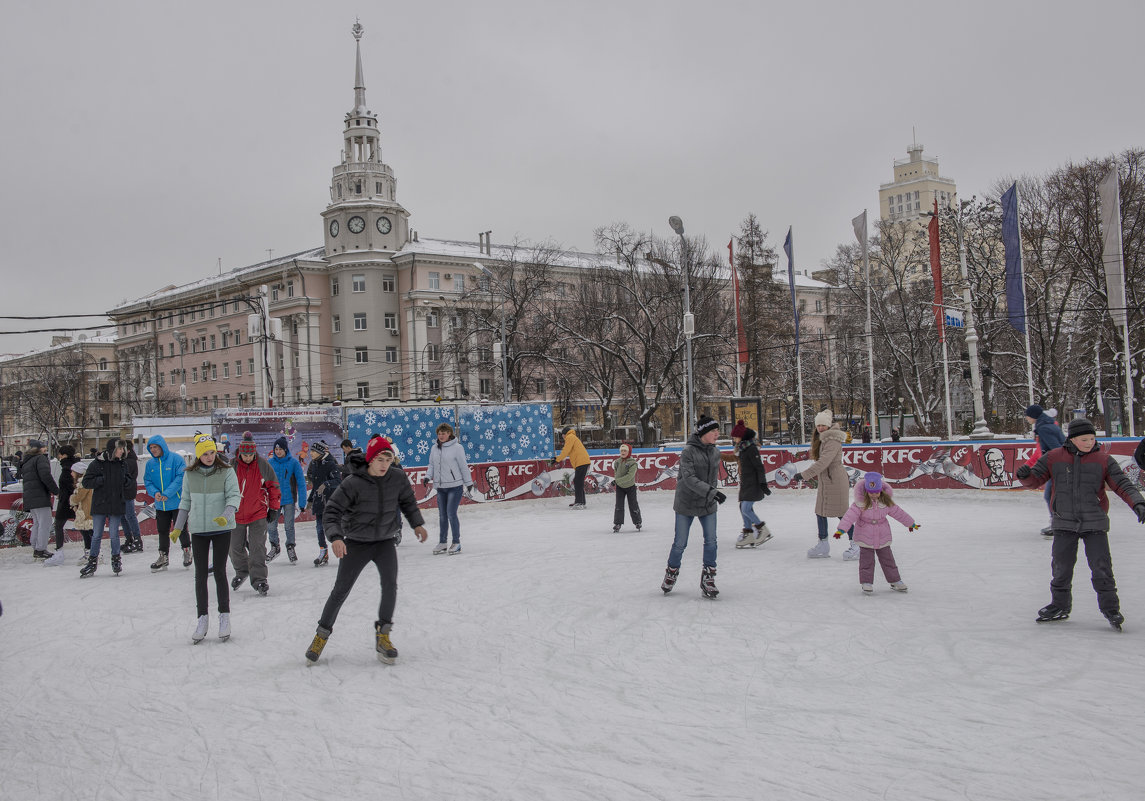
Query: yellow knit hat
203	444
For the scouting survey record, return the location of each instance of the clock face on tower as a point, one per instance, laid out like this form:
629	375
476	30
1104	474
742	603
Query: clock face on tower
333	228
384	225
356	225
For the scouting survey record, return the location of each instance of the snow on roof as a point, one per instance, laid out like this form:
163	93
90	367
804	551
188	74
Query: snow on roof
98	340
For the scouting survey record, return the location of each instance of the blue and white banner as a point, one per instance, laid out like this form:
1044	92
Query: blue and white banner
1012	241
505	433
954	318
412	429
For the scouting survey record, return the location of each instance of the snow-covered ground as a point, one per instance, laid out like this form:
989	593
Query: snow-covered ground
544	663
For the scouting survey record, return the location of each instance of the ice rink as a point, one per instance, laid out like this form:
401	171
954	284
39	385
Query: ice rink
544	662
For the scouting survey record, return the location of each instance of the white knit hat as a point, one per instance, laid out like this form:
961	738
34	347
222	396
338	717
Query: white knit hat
824	418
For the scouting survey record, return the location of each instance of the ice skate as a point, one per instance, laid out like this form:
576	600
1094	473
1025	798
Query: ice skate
708	582
616	528
55	559
273	550
290	553
899	586
1048	532
160	563
224	626
762	533
455	548
89	568
116	564
852	552
40	555
441	547
201	629
261	587
237	581
670	576
187	557
867	588
745	538
1115	619
317	644
83	559
386	651
323	557
1052	612
822	550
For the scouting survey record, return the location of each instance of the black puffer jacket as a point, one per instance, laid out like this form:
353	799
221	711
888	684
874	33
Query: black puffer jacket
67	487
1139	455
1078	498
752	474
39	486
110	484
368	508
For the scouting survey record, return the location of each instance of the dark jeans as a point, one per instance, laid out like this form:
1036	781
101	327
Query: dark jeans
384	555
163	523
318	507
1100	566
578	483
447	502
200	547
64	513
633	506
129	521
823	528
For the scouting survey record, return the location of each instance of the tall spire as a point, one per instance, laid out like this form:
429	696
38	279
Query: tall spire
359	79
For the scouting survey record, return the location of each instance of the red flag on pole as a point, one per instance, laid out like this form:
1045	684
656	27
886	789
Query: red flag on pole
741	337
936	273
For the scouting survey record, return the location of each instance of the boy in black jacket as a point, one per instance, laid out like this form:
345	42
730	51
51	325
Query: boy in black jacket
1080	472
361	521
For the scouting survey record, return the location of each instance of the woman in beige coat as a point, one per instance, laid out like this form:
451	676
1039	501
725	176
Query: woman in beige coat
833	497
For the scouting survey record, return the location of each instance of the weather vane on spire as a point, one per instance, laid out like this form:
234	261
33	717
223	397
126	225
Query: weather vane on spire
357	30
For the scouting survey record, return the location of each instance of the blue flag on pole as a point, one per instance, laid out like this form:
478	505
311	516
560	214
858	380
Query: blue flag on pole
791	281
1012	240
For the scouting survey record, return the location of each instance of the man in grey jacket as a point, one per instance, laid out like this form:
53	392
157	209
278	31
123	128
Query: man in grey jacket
39	487
697	495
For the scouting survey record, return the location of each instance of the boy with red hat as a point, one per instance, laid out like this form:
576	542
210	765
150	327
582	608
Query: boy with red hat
361	520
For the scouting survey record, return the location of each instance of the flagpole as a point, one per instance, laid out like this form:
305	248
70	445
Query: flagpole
789	248
861	221
946	375
1022	276
735	284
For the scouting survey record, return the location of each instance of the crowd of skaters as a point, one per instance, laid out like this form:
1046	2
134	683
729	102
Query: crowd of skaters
219	511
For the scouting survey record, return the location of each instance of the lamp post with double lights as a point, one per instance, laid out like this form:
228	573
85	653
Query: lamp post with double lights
677	225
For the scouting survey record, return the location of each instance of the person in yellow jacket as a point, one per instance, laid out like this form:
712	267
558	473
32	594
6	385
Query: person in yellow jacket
576	453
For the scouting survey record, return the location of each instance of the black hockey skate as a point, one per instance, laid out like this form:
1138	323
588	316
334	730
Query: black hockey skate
272	550
90	568
291	554
1115	619
237	582
160	563
261	587
708	582
1048	614
116	564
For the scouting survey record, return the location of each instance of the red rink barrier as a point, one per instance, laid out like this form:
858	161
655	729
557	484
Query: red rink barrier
986	465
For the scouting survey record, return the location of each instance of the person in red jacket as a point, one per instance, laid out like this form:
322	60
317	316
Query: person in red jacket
1080	471
261	499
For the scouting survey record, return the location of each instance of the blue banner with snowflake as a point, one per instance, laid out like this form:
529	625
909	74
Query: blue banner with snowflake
513	432
412	430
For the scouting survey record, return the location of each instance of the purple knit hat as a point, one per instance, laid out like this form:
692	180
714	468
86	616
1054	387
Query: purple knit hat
873	483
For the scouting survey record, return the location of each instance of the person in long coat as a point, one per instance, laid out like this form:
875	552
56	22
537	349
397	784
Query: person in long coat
752	486
833	495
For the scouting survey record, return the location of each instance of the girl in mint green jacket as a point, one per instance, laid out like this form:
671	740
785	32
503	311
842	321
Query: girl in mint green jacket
207	508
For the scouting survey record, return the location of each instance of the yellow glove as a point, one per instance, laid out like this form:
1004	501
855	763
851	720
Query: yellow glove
220	521
175	533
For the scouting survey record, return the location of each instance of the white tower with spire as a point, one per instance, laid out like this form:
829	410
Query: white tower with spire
363	214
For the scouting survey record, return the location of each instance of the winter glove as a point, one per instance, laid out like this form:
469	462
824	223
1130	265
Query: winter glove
839	534
1139	510
425	482
720	497
468	490
766	490
915	527
1023	471
553	462
219	521
175	534
271	516
797	477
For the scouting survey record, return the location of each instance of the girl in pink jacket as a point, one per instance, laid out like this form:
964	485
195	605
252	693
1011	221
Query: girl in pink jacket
869	513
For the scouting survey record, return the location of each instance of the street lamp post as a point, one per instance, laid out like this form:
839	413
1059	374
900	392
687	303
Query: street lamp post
181	338
677	225
981	429
504	349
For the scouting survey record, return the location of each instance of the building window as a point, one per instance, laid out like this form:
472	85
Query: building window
194	375
363	389
431	352
336	324
238	337
361	355
281	362
238	369
819	306
160	379
391	320
337	357
227	400
171	349
434	386
226	369
250	366
212	341
338	391
392	390
359	321
211	309
359	283
540	386
334	287
214	401
377	187
296	359
458	283
388	283
103	364
431	318
435	280
214	372
485	386
392	355
274	292
289	289
104	392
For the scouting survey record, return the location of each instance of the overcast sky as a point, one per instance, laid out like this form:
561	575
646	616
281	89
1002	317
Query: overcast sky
144	141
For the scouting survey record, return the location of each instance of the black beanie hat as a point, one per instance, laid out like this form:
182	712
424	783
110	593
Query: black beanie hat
1080	426
705	424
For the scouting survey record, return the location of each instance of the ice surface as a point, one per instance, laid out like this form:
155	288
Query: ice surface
544	663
